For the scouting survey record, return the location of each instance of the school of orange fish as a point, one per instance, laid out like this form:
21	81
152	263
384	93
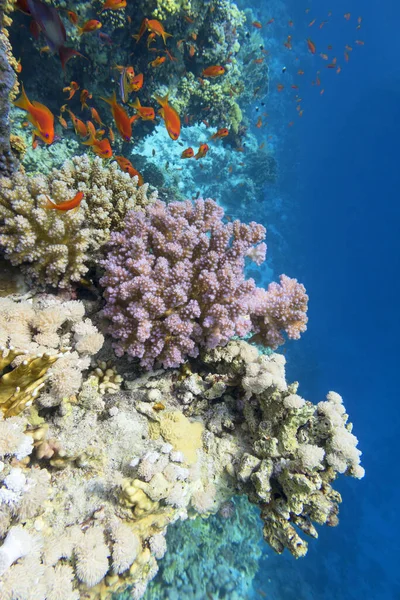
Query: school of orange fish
46	20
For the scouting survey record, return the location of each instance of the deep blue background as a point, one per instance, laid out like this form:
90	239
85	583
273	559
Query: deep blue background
344	163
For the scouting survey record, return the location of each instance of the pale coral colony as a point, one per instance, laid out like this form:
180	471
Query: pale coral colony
139	383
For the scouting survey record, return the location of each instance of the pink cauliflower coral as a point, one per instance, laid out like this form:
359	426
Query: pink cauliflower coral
283	307
174	282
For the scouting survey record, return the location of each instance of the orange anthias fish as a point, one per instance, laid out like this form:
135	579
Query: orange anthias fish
85	95
214	71
63	122
142	30
95	116
71	88
137	83
40	116
257	24
156	27
113	5
151	39
311	46
121	118
100	147
288	42
202	151
144	112
170	116
73	17
79	126
92	25
221	133
157	61
188	153
126	165
64	206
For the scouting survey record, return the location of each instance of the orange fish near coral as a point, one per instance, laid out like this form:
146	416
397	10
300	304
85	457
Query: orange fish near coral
221	133
214	71
92	25
79	126
95	116
257	24
126	165
64	206
188	153
40	116
121	118
202	151
73	17
170	116
142	30
100	147
113	5
144	112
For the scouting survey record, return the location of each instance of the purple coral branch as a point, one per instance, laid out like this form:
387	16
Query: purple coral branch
174	282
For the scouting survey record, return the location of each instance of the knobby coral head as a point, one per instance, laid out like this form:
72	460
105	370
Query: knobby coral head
174	282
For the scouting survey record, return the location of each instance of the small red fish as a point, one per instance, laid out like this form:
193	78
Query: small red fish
171	118
100	147
188	153
126	166
202	151
64	206
95	116
257	24
63	122
360	42
92	25
136	83
221	133
270	21
288	43
79	126
258	61
71	88
312	23
347	16
85	95
156	27
311	46
121	118
300	72
113	5
280	87
157	61
40	116
214	71
144	112
259	123
73	17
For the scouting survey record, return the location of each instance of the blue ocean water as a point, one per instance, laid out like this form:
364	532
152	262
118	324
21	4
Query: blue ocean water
341	177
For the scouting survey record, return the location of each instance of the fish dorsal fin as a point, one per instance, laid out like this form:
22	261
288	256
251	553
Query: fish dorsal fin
23	101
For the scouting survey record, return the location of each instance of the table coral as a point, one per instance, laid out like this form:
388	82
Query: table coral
53	247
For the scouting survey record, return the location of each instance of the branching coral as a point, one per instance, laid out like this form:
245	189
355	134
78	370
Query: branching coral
8	162
56	247
175	282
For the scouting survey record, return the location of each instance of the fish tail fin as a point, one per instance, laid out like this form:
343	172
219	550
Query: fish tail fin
49	202
162	101
111	101
67	53
23	101
136	104
166	35
92	134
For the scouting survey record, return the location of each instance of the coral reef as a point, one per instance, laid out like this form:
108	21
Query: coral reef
8	162
172	445
53	247
44	346
174	281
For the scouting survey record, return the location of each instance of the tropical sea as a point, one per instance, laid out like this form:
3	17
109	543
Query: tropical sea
306	136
